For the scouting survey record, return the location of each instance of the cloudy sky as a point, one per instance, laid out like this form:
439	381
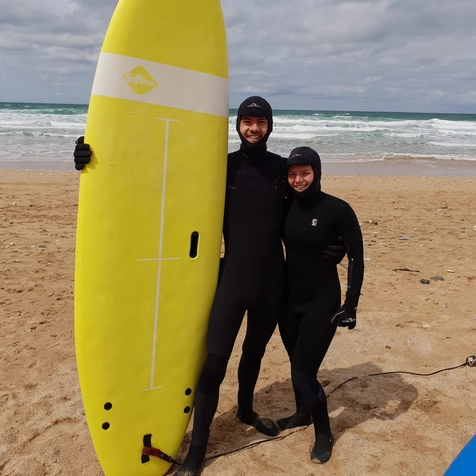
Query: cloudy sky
383	55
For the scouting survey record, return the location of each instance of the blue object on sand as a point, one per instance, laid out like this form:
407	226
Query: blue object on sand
465	463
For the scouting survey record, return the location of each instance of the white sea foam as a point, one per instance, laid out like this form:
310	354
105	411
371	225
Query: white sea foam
47	132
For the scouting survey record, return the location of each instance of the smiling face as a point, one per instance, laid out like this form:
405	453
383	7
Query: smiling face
300	177
253	129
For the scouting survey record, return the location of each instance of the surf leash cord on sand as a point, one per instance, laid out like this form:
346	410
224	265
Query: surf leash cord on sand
469	362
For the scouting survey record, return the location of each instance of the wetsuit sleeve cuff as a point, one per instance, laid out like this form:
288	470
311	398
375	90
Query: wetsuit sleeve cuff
351	300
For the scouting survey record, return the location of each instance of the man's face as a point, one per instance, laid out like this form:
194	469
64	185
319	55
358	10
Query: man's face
253	129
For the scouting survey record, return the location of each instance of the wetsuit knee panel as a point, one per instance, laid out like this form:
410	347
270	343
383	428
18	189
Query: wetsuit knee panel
308	386
213	373
252	352
301	379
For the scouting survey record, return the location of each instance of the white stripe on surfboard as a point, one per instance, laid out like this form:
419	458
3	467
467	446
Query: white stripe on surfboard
133	79
159	258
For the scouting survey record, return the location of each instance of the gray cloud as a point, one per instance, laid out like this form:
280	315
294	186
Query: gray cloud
318	54
389	55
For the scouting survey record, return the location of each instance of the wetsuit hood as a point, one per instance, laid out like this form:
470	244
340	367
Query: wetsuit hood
255	106
307	156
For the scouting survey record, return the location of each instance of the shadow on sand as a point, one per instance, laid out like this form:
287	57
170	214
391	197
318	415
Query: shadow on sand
362	398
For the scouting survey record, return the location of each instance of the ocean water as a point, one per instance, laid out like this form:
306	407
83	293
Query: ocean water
45	134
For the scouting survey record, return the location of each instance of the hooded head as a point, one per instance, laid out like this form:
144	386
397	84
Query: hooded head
255	106
306	156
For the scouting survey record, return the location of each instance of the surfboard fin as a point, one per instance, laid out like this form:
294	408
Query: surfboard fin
149	451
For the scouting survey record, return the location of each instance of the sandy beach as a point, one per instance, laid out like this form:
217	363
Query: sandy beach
415	228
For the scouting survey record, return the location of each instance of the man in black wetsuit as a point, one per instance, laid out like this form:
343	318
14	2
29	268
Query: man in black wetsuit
252	274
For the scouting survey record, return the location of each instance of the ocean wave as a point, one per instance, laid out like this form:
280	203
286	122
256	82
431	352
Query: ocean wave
338	136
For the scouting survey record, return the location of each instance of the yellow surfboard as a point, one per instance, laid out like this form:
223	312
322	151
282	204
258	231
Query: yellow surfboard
149	227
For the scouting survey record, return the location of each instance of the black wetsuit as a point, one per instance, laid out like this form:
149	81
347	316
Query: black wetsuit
314	292
252	279
251	276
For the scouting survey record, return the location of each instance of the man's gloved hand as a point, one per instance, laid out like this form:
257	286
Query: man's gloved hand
334	254
82	153
345	317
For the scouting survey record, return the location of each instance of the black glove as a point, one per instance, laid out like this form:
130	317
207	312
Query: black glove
345	318
334	254
82	154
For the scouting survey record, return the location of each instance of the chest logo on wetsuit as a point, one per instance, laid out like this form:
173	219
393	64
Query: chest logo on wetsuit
314	222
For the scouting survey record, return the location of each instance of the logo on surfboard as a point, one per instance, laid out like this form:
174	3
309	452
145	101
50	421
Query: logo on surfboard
140	81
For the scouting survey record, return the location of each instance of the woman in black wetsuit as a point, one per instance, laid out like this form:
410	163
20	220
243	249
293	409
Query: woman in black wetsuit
314	293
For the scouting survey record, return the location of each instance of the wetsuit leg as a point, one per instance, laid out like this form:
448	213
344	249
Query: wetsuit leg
283	324
223	327
315	336
261	323
301	417
289	331
206	399
225	321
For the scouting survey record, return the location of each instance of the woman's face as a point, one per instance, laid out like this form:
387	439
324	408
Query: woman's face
300	177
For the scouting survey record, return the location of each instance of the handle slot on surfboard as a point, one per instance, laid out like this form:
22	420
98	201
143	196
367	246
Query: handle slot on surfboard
194	237
149	451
